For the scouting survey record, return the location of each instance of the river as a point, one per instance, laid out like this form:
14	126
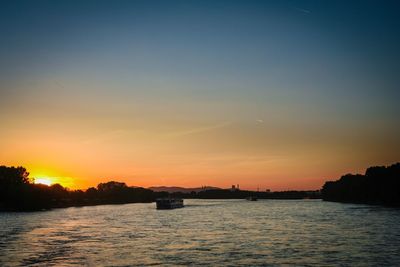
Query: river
205	232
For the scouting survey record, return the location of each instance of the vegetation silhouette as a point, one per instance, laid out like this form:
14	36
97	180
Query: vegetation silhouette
19	193
379	185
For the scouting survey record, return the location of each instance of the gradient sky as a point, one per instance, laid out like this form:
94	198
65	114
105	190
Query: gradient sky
268	94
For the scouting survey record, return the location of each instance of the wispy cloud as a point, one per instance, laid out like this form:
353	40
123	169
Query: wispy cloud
302	10
199	129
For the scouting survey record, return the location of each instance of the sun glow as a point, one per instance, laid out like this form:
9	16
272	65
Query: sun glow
50	180
45	181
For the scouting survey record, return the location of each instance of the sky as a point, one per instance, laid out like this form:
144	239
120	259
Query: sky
265	94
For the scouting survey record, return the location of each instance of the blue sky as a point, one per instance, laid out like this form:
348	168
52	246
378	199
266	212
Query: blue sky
313	83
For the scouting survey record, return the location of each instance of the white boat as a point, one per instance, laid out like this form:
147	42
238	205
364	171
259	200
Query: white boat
169	203
252	198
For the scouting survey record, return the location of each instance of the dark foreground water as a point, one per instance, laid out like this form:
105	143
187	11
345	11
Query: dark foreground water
205	232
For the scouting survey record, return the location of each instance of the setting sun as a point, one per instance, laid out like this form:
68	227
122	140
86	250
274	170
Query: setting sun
45	181
50	177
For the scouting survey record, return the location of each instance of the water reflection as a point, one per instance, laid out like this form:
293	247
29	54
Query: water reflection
209	232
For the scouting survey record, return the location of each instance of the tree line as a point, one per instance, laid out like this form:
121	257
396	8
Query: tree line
18	192
379	185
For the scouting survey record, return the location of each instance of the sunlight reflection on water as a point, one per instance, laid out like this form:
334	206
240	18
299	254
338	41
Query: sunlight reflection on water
205	232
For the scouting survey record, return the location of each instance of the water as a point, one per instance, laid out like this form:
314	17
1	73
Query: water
205	232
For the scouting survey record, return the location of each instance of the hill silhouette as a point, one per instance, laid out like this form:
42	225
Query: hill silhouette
175	189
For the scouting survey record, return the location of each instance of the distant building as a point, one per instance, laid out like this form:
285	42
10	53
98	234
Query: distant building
235	188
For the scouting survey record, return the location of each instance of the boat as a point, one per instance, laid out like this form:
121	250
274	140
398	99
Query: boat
251	198
169	203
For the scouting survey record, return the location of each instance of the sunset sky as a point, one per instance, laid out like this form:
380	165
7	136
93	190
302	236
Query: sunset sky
269	94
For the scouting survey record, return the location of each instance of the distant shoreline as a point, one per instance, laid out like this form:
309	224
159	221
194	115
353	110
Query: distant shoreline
67	199
379	186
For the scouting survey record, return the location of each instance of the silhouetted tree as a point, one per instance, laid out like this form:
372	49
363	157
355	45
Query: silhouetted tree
17	192
14	184
13	177
379	185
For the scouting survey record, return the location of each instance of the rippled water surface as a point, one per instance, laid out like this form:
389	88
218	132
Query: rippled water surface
205	232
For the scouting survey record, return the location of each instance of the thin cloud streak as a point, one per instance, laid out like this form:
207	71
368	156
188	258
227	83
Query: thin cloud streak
199	130
306	11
